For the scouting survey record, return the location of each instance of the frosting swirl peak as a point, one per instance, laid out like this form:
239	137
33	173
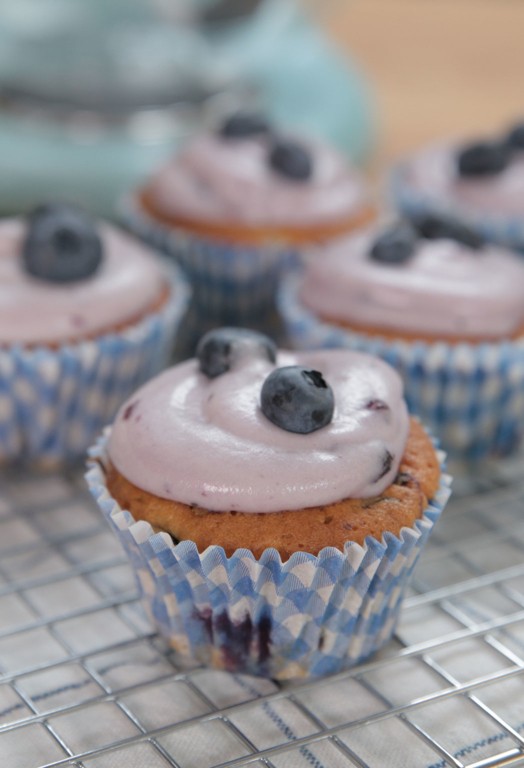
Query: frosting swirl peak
445	288
212	179
206	442
32	311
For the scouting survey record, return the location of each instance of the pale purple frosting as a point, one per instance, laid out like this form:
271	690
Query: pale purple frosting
219	180
130	279
445	288
206	442
433	172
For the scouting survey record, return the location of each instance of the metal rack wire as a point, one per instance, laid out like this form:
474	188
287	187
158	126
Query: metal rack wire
86	682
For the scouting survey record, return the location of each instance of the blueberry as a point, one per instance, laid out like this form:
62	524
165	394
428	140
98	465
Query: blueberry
435	227
291	159
515	137
483	159
297	399
62	244
244	125
220	349
395	245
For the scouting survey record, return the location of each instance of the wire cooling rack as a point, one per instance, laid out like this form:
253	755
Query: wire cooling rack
86	682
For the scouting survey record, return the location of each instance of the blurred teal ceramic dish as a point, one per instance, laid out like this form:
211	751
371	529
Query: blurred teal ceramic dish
95	94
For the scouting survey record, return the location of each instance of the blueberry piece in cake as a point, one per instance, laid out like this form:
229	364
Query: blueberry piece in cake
220	349
483	159
396	245
297	399
62	244
291	159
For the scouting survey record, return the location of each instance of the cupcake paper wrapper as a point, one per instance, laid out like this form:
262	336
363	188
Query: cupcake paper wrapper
232	284
55	401
306	617
470	395
505	230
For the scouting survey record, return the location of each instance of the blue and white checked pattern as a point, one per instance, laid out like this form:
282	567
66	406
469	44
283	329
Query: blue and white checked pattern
54	402
505	230
232	284
471	396
306	617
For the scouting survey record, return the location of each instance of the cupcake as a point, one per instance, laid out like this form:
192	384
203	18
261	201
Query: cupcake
443	308
238	203
273	503
480	182
86	314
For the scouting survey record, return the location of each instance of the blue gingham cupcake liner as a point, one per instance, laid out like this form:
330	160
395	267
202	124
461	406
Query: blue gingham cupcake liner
470	395
232	284
306	617
55	401
507	231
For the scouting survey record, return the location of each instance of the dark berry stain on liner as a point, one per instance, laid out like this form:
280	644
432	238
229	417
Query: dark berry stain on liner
264	638
235	638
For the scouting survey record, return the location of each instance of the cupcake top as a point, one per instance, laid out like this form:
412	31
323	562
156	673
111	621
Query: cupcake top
480	176
63	278
434	279
244	173
244	427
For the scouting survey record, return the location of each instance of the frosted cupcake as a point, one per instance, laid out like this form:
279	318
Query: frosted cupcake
86	314
480	182
272	503
238	203
441	307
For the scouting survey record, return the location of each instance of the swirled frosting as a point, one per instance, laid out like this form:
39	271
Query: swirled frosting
32	311
445	288
229	181
206	442
432	172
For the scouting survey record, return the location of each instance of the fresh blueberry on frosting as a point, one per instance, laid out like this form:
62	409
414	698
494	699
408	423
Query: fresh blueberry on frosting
436	227
396	245
243	125
291	159
221	349
483	158
297	399
515	137
62	244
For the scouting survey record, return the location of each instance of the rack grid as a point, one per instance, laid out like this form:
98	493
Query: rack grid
86	682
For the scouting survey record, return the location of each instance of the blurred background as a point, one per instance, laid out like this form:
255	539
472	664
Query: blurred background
437	67
94	94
